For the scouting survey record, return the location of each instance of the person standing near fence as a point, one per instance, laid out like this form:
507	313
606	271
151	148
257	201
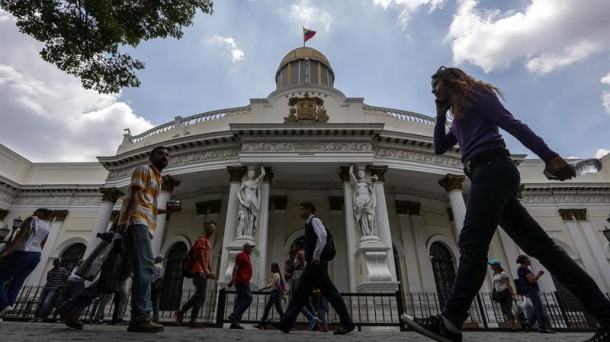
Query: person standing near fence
504	290
74	285
314	275
242	274
276	285
21	256
56	279
201	272
478	116
530	288
157	286
137	225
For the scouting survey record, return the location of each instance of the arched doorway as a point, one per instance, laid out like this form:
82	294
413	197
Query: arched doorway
72	255
172	282
444	272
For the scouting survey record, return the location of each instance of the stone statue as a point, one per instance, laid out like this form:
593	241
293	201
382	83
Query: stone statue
364	201
249	203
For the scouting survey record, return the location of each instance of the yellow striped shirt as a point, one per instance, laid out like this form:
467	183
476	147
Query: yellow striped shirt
147	178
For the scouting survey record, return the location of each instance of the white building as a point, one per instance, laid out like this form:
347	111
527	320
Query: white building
306	134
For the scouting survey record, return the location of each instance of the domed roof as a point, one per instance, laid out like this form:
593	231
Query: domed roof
302	53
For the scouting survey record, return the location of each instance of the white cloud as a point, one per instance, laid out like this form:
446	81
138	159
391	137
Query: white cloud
47	115
606	101
229	46
308	15
606	79
408	7
601	152
545	35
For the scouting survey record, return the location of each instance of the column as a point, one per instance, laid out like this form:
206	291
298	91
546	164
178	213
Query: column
109	198
278	206
412	258
340	263
57	219
596	249
169	184
381	214
263	227
350	227
453	185
236	174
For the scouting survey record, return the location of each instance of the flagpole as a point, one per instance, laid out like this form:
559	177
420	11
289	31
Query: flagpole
303	36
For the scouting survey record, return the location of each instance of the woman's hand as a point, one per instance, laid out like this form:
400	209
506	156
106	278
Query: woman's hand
442	106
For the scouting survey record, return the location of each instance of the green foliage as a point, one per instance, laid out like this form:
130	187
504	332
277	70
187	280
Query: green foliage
84	37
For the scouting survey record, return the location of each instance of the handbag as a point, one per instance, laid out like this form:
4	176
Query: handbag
499	296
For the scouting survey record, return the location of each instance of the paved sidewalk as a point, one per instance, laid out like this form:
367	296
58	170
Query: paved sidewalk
57	332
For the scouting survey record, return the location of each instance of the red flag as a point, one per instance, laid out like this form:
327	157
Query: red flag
308	34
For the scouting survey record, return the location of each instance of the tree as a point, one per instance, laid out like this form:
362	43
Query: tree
84	37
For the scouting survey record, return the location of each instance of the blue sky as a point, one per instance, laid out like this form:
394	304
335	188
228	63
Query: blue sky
551	58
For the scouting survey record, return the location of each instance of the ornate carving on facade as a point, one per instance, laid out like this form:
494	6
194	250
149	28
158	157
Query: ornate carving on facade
306	147
428	158
336	203
45	201
169	183
344	173
208	207
3	214
580	214
268	174
408	208
59	215
236	173
566	214
378	171
567	198
278	202
306	110
452	182
111	194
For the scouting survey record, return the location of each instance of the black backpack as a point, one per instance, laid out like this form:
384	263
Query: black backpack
329	251
187	263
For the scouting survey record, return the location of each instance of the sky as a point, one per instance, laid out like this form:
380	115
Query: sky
551	59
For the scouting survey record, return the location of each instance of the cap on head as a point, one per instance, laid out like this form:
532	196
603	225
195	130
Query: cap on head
159	258
248	244
494	262
58	261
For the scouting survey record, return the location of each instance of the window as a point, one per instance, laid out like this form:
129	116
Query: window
444	272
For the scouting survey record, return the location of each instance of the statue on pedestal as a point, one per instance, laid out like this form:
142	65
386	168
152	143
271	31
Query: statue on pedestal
363	201
249	195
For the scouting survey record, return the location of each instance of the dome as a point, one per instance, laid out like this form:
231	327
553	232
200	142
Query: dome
304	65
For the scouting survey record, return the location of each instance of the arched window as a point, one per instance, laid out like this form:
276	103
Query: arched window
172	282
73	254
444	273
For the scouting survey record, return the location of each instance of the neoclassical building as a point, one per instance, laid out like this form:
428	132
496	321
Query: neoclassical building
394	208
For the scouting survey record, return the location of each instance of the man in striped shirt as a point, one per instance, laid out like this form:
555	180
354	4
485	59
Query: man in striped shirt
137	224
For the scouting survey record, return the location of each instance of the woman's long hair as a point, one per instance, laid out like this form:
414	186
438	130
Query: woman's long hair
275	268
459	85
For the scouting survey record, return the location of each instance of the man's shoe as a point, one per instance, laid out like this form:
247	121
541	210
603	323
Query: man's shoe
345	330
602	335
145	325
235	326
179	317
546	331
281	327
97	321
312	324
6	310
70	317
432	327
196	325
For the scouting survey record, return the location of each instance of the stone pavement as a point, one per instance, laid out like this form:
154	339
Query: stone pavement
57	332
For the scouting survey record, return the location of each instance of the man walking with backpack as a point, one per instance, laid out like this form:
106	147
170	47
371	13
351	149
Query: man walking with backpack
201	271
318	251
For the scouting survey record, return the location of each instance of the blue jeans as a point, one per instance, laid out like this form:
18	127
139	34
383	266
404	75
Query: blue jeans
275	299
537	311
17	266
48	297
492	201
243	299
137	259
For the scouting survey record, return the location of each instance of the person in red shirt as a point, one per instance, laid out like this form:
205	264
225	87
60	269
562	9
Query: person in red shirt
242	273
201	271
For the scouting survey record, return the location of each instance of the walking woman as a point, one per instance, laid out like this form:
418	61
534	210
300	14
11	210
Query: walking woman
478	116
505	293
277	286
21	256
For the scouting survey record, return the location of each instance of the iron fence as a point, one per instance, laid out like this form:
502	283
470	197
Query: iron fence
366	309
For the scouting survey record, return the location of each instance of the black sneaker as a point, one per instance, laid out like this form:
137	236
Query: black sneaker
235	326
432	327
602	335
546	331
345	330
281	327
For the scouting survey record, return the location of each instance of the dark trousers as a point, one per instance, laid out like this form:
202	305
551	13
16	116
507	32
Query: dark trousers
198	298
316	276
275	299
492	201
243	299
538	310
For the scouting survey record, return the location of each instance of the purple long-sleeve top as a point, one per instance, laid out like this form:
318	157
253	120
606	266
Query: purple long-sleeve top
478	130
